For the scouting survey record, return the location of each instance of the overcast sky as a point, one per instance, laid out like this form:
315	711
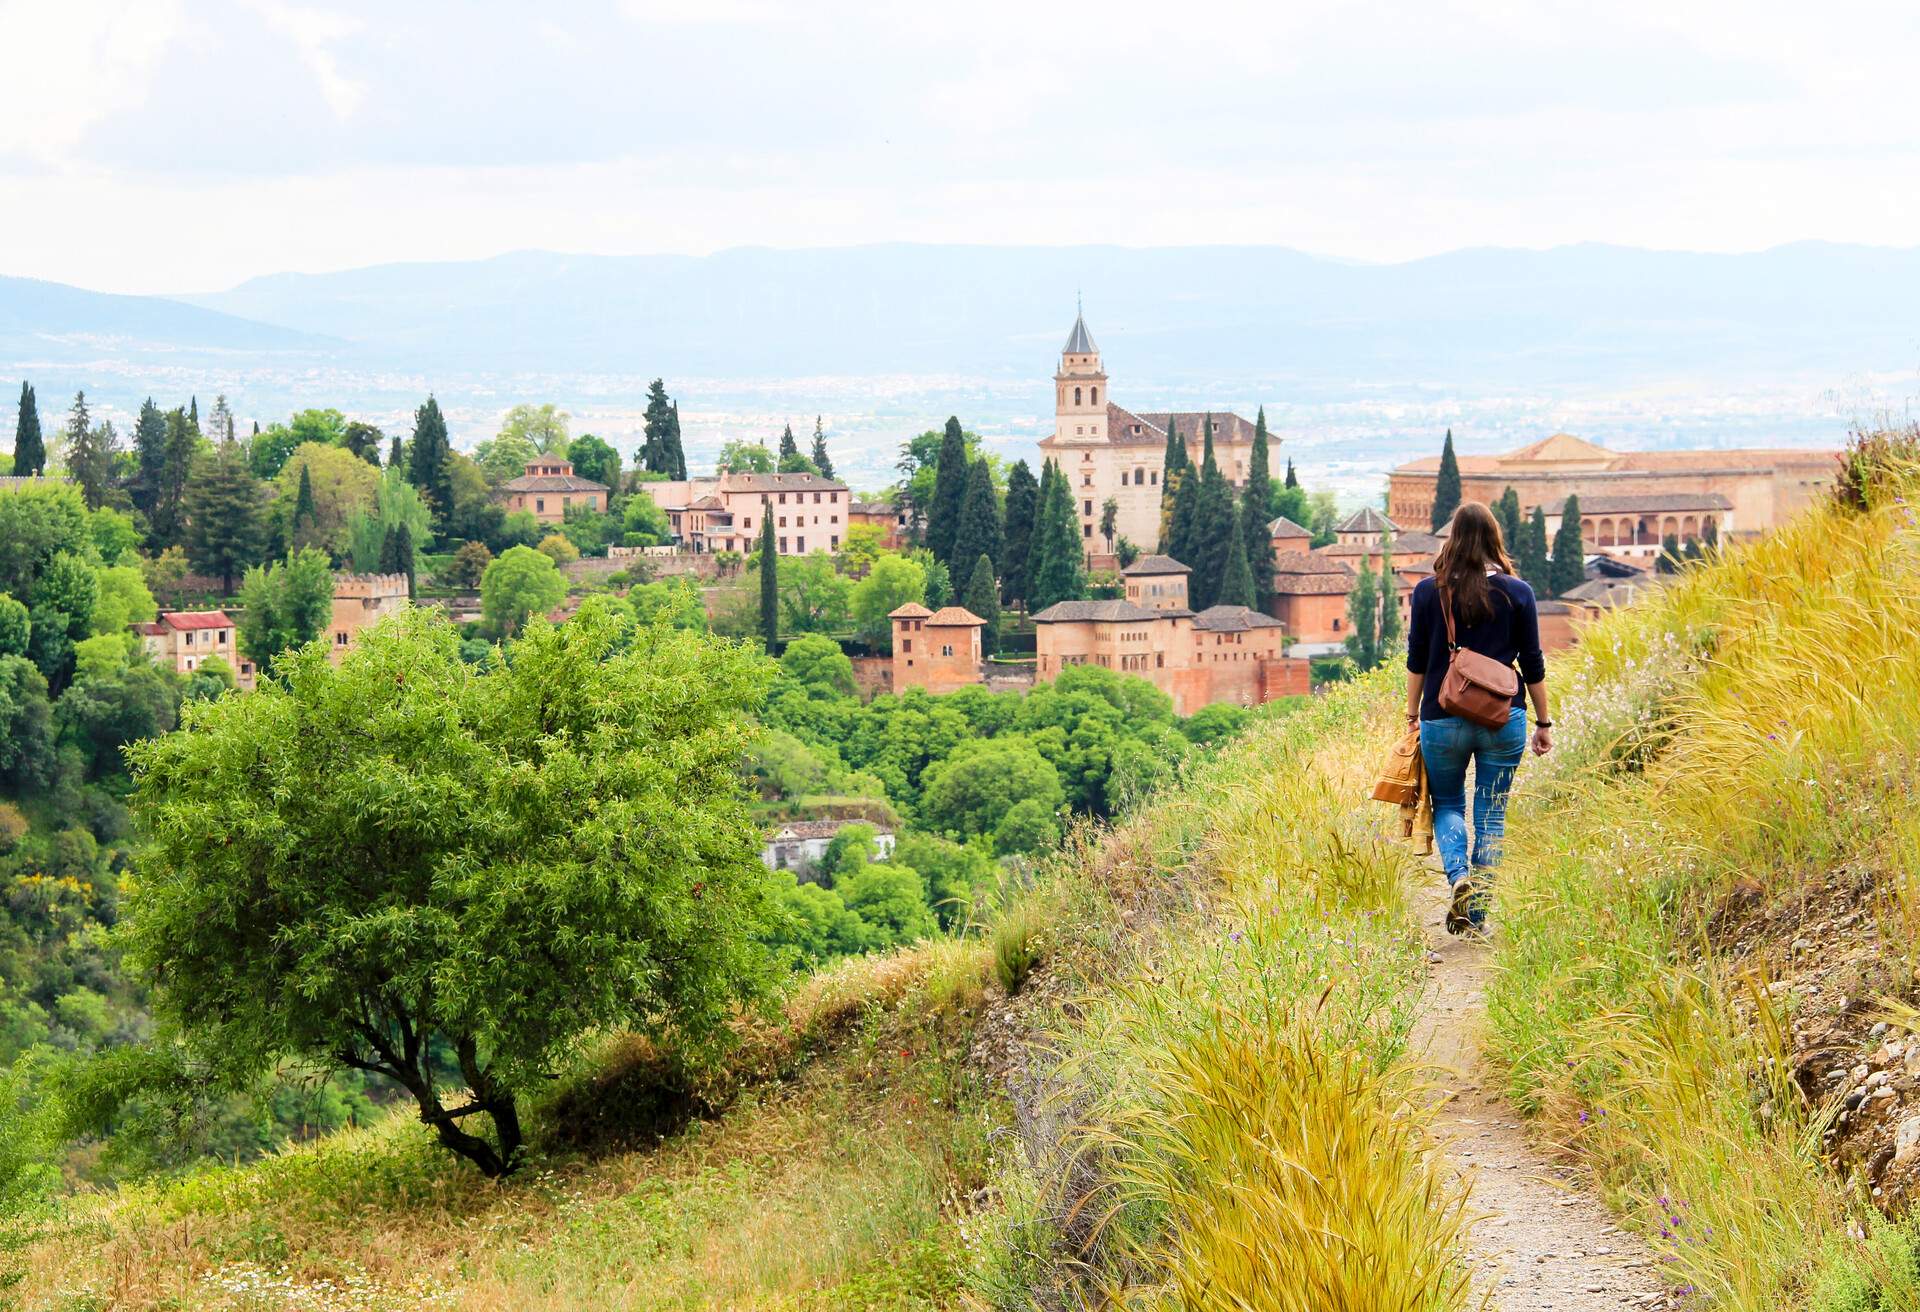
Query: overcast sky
183	145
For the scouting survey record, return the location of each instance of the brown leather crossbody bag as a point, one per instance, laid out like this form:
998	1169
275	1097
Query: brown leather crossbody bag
1476	687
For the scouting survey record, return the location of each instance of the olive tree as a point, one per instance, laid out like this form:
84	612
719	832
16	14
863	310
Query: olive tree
409	861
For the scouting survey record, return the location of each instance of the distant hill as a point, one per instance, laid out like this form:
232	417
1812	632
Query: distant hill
49	320
1589	315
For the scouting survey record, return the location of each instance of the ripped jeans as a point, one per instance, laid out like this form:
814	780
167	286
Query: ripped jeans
1447	745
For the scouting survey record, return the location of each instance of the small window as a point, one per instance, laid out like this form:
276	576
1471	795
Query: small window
906	645
540	503
946	649
1076	396
783	546
1093	398
800	544
340	638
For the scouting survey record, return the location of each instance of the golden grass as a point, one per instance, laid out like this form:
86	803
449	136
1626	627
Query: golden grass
1758	721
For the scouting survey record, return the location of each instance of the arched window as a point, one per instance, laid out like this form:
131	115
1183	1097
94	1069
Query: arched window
1093	397
1689	529
1076	396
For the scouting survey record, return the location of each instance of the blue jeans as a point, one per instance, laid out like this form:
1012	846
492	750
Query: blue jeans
1447	746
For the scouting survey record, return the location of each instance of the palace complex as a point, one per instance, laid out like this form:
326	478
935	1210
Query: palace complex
1107	451
724	513
1630	500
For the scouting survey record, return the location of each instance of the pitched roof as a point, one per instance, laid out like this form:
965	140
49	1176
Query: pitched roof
780	483
1233	619
1126	428
197	619
1301	562
1286	528
953	617
1312	585
802	829
871	508
1366	520
1109	612
1079	341
552	483
913	610
1148	565
1561	448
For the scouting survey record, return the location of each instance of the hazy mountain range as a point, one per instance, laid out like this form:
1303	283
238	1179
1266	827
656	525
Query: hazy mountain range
891	337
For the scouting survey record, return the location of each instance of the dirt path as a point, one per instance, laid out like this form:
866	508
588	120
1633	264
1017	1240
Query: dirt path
1546	1243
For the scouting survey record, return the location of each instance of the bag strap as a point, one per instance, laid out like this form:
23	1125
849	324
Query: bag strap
1446	609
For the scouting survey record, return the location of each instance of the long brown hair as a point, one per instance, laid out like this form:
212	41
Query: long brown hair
1473	544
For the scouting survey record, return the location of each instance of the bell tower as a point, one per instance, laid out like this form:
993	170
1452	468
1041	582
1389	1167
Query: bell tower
1080	389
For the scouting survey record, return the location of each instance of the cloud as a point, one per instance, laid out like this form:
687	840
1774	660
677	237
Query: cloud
73	65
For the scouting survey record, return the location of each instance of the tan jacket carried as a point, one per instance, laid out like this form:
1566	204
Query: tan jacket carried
1403	782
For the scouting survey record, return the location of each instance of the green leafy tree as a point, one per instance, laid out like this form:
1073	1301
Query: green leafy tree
740	456
1236	585
1512	524
814	595
1569	567
1109	521
29	448
341	485
364	440
1531	559
821	461
971	791
644	524
286	605
982	597
669	601
543	427
818	664
1446	486
520	583
891	904
504	456
469	565
1363	619
226	515
15	627
949	493
60	607
99	717
558	548
38	522
396	502
660	453
1023	504
769	581
893	581
592	458
1388	631
402	922
429	460
27	752
269	450
979	531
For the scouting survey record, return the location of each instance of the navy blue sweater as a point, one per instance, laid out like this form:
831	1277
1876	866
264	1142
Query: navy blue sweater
1511	635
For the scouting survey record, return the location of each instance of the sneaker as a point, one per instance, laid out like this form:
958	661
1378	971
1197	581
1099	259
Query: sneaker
1466	890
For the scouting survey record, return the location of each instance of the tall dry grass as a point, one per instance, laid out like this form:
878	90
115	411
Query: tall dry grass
1757	722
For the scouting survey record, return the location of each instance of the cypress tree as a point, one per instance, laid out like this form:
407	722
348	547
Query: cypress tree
89	453
1023	502
1569	568
1173	467
1363	619
982	597
1387	631
769	580
1293	479
304	512
979	532
150	451
1507	511
676	454
820	460
1668	561
1213	540
1532	558
193	413
1058	570
1236	585
429	460
396	553
224	510
29	448
1709	537
949	494
1182	541
1254	543
1446	487
656	452
395	453
789	449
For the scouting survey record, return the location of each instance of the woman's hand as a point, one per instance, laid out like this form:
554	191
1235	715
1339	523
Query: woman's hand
1542	740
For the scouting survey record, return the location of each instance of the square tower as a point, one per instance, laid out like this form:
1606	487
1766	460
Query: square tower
1080	389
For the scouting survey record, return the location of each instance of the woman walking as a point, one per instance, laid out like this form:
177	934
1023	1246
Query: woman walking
1492	613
